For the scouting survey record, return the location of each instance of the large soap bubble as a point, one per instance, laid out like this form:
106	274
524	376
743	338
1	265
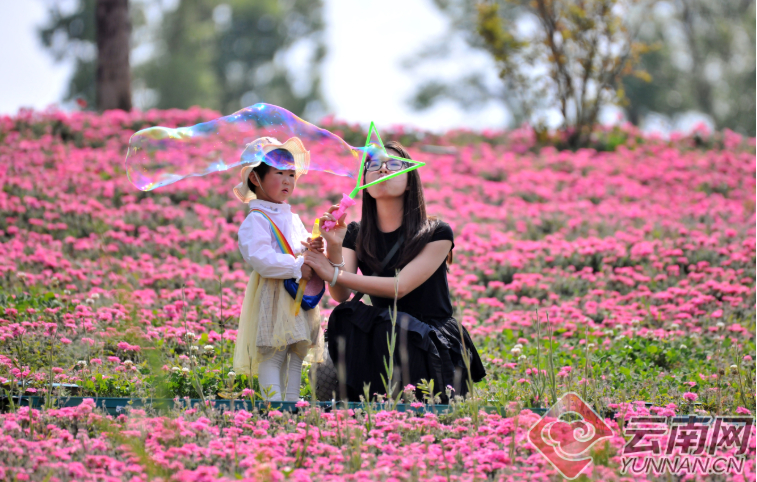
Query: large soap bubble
159	156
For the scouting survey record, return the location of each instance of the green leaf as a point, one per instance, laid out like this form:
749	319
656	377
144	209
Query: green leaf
625	371
651	349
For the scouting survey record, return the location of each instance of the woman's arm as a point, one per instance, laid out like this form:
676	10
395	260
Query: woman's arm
415	273
338	292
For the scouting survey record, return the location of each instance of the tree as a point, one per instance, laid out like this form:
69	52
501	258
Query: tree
473	88
704	60
113	79
572	59
222	56
701	58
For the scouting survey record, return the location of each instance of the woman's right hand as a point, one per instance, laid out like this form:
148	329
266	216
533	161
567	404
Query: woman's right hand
336	235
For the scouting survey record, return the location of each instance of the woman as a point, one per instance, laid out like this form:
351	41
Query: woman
429	345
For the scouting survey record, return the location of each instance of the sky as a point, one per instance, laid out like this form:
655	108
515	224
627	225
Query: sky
388	32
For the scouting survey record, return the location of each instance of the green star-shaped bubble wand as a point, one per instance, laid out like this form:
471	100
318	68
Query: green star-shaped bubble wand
372	145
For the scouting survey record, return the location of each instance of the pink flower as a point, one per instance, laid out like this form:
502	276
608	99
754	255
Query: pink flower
743	411
524	380
409	388
247	392
275	414
692	397
301	404
65	341
96	361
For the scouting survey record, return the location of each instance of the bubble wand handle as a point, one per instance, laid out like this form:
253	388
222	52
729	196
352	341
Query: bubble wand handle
303	283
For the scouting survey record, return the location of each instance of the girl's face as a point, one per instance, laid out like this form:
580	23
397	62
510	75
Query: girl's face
277	185
394	187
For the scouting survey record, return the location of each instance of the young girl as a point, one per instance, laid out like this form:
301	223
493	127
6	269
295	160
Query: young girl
272	239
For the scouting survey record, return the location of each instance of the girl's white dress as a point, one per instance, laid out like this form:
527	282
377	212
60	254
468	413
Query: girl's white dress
267	323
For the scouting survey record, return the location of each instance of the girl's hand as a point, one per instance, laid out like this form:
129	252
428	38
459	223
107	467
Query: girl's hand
307	272
314	244
320	264
336	235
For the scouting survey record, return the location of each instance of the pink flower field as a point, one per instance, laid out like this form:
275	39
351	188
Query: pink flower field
624	273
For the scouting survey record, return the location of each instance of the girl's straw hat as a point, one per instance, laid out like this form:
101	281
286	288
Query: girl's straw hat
255	152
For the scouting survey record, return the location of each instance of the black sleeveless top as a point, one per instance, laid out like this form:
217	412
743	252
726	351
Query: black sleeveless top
431	299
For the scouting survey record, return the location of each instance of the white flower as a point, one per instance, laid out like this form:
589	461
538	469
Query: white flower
66	292
674	326
734	369
590	345
628	347
619	337
89	301
209	348
518	345
82	363
176	369
522	357
95	296
635	321
189	334
128	362
185	370
683	347
720	324
609	332
515	351
231	375
194	347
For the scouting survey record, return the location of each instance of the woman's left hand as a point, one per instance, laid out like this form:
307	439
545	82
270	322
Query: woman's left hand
320	264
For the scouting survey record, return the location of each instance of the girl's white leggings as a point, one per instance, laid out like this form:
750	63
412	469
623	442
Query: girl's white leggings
273	373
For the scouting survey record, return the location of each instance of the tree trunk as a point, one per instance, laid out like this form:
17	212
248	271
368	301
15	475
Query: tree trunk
113	76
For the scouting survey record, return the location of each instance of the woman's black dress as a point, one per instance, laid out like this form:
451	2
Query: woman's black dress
428	339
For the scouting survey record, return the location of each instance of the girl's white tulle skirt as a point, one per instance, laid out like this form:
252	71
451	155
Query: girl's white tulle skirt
267	324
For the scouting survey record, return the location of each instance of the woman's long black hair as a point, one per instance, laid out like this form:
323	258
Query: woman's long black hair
416	226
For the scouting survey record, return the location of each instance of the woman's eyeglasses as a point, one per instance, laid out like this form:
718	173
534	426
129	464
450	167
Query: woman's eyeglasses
391	164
